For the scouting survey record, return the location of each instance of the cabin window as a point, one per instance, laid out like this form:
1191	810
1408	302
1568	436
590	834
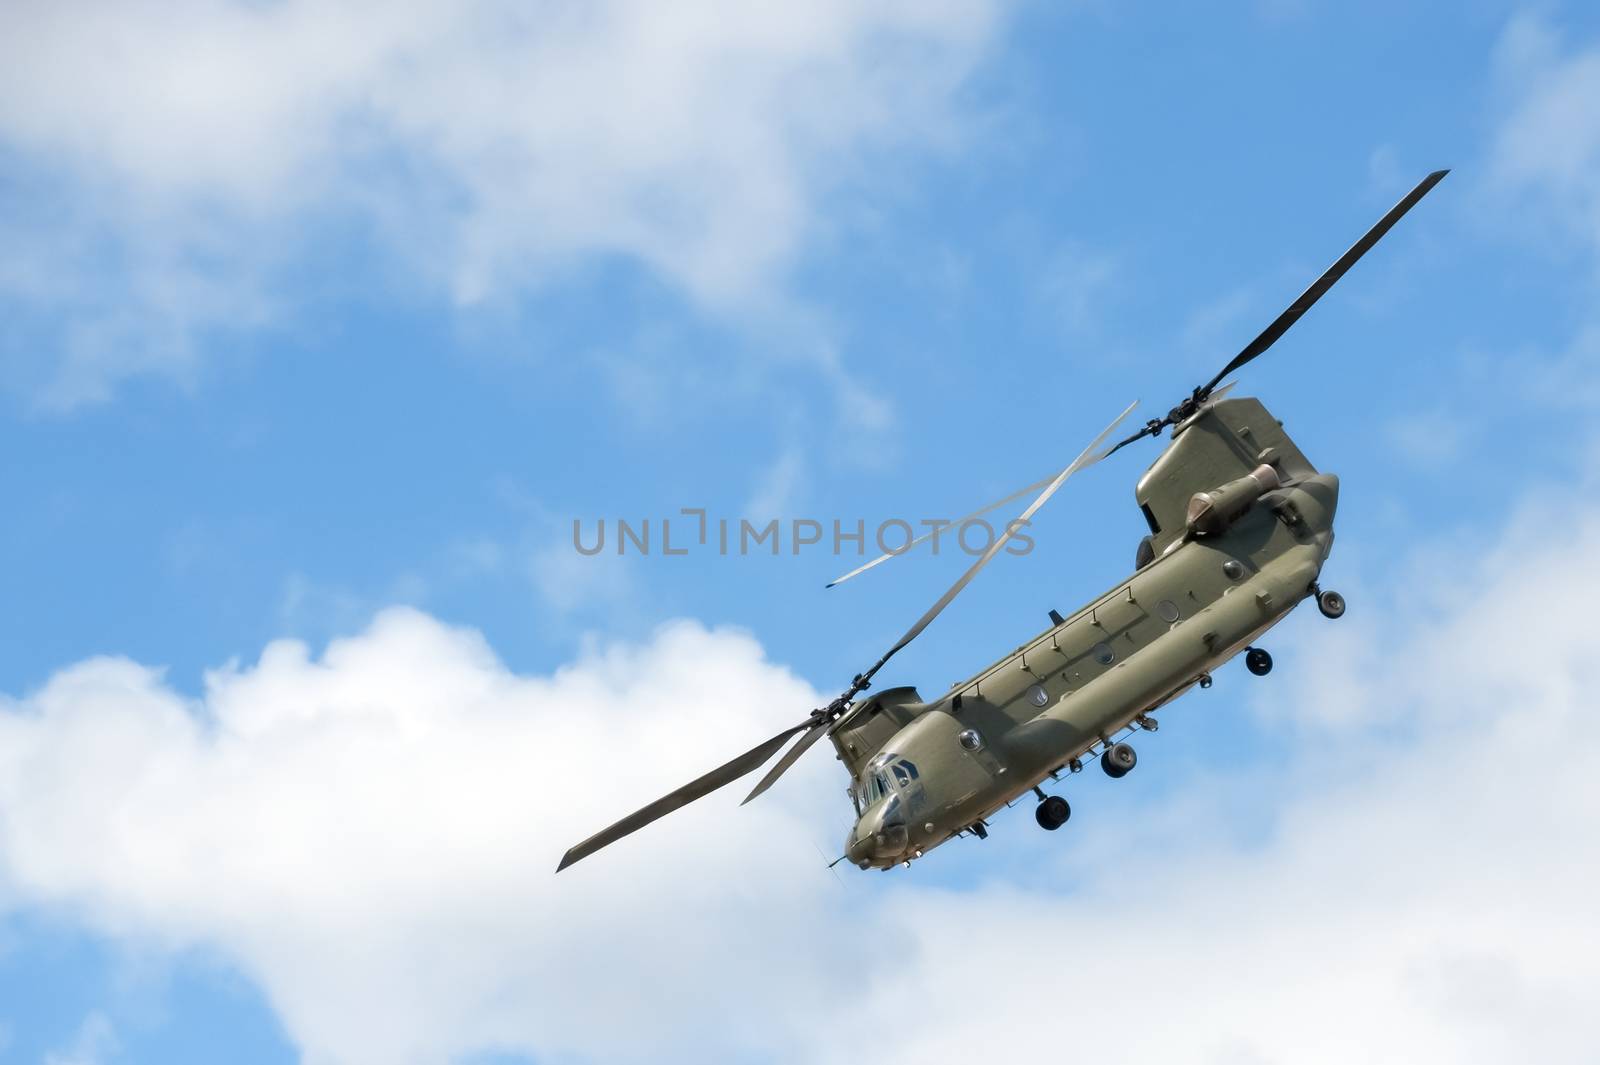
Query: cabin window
1104	654
1150	519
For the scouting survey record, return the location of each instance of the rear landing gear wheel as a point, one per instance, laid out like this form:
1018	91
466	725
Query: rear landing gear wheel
1257	661
1331	604
1052	813
1118	760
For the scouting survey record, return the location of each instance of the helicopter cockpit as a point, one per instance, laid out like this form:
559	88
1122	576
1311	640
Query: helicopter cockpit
885	775
887	793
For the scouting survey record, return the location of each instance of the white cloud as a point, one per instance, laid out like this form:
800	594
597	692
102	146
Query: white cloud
370	834
778	485
1428	440
1074	285
487	145
94	1042
1421	891
1216	324
568	580
1546	150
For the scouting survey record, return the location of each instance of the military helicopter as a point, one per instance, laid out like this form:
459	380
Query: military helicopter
1240	524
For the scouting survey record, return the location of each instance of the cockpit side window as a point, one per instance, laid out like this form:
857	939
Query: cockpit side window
910	768
900	775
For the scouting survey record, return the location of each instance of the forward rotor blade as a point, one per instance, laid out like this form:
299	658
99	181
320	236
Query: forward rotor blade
790	757
726	773
1088	457
1281	324
925	537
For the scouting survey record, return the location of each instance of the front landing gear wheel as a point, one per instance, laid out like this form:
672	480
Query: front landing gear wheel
1052	813
1118	760
1331	604
1257	661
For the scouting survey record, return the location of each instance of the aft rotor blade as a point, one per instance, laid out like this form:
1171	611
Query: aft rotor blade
1154	427
1281	324
980	512
790	757
1088	457
726	773
1150	429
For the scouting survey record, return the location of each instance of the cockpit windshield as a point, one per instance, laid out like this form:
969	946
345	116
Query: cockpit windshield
884	775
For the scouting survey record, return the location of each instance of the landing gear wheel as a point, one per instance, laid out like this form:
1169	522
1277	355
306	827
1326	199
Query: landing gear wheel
1331	604
1052	813
1118	760
1257	661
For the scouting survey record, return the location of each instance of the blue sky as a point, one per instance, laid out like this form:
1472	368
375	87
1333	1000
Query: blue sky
324	322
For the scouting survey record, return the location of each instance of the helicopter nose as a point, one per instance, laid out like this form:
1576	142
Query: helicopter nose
878	844
891	841
861	851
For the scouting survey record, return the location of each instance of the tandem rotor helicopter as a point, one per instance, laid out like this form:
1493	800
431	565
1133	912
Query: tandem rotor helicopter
1240	526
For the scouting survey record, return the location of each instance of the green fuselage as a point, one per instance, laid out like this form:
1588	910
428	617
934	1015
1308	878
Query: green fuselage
925	772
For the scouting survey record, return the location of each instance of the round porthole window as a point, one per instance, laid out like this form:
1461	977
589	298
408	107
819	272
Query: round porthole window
1168	610
1104	654
1232	569
970	739
1038	696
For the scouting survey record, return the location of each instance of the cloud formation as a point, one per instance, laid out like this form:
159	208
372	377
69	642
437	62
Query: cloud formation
1410	885
1546	149
485	146
369	835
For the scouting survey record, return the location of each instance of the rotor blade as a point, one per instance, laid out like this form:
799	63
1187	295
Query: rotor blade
790	757
980	512
1155	427
1150	429
1088	457
726	773
1281	324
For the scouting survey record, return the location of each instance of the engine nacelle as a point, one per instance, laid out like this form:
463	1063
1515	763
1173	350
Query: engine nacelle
1212	512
